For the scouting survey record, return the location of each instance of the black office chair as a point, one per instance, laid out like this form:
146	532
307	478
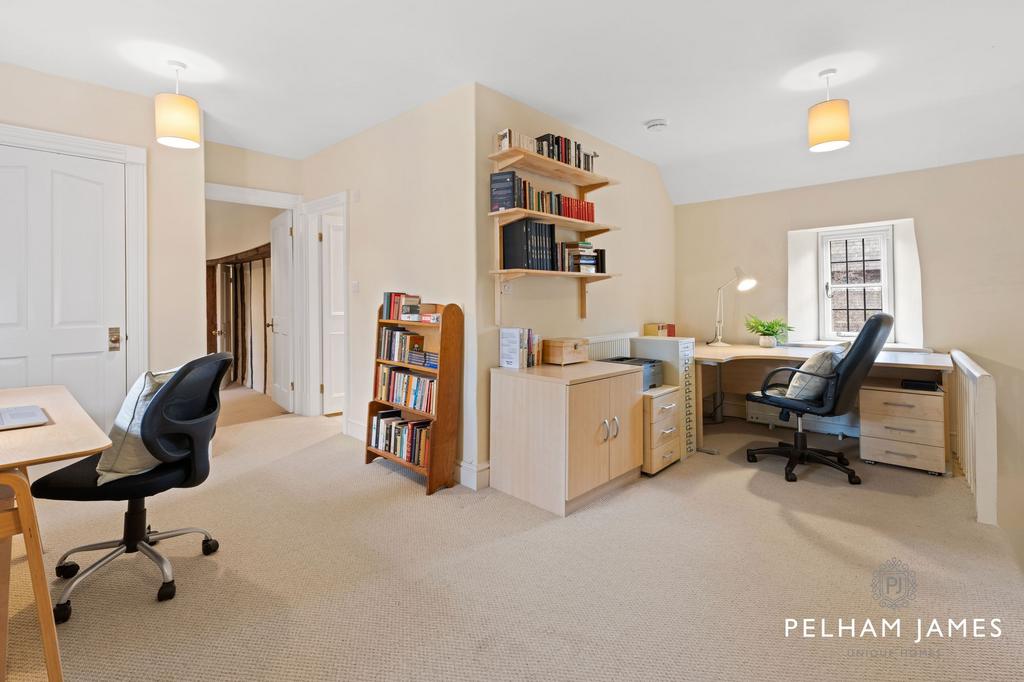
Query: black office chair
176	429
842	387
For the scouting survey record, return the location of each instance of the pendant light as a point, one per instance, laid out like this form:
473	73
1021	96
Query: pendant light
178	119
828	122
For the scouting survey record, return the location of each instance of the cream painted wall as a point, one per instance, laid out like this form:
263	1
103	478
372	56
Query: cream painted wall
227	165
231	228
410	225
642	252
969	220
175	180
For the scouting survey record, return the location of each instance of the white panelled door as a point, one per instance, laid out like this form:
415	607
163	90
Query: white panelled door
334	323
282	373
62	276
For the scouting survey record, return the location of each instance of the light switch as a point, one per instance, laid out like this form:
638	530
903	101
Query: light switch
355	286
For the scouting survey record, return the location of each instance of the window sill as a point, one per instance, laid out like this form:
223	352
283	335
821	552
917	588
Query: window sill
895	347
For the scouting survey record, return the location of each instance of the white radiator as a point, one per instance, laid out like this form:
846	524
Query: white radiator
609	345
973	431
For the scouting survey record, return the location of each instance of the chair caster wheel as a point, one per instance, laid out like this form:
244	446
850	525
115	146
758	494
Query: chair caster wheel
842	460
166	591
791	477
854	479
210	546
751	457
869	461
61	612
69	569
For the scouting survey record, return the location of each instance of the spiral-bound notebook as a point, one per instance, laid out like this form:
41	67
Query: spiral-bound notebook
21	417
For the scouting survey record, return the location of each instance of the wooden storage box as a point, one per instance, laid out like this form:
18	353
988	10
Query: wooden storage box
563	351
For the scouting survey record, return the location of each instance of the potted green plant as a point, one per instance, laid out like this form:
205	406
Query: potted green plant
770	332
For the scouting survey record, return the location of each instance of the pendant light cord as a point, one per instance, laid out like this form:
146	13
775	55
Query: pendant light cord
177	81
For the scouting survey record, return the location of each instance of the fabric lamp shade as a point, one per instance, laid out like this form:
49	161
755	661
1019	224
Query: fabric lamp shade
178	121
828	125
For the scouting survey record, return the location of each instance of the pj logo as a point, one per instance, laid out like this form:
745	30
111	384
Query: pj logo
894	584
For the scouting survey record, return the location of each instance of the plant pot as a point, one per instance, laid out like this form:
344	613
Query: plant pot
768	341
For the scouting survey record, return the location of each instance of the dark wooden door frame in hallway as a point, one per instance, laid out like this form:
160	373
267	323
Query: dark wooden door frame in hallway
237	262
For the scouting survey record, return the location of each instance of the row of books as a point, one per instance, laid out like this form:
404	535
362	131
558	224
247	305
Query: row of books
550	145
508	191
518	348
398	343
409	308
531	244
401	387
424	358
409	440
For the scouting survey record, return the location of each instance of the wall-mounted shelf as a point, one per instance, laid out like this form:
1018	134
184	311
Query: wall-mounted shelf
584	228
524	159
584	277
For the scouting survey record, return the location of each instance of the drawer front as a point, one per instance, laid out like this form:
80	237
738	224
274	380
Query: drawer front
663	431
902	429
656	459
927	457
895	404
664	406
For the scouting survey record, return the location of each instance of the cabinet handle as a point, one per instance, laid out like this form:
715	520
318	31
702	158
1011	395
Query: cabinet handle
896	428
667	407
901	454
607	430
618	426
668	431
668	455
898	404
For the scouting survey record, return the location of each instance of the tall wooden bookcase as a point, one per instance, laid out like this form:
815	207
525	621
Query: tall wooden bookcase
445	339
584	181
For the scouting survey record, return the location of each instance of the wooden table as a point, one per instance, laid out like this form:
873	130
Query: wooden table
69	434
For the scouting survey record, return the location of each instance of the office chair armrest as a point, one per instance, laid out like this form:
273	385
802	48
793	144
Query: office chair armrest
766	384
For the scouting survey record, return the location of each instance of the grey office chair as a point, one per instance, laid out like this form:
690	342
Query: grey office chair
842	388
176	428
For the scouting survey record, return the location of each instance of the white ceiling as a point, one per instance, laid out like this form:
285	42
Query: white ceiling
940	81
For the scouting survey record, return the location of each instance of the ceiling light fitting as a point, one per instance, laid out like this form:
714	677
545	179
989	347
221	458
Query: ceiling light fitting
178	118
828	122
656	125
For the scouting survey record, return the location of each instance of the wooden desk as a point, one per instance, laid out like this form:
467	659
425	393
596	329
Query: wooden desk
888	363
69	434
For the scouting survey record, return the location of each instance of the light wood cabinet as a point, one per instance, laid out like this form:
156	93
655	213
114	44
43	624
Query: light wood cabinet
662	434
562	436
903	426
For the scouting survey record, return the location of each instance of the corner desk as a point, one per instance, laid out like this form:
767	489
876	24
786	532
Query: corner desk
741	368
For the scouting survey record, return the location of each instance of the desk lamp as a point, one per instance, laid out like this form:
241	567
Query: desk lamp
744	282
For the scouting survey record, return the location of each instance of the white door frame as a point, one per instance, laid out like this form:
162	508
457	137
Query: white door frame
309	354
136	332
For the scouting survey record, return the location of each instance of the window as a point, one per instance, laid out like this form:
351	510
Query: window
856	279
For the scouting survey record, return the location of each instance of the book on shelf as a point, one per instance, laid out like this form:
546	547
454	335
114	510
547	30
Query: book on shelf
509	190
531	245
403	387
518	348
553	146
394	301
406	439
398	344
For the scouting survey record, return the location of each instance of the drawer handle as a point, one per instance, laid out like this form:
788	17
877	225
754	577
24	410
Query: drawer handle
617	426
901	430
901	454
668	455
607	430
668	431
670	406
898	404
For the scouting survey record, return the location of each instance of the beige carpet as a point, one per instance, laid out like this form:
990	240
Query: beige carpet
330	569
241	404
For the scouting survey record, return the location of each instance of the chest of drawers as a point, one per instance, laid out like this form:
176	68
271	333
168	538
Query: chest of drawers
903	427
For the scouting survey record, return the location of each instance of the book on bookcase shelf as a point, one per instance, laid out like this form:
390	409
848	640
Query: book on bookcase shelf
532	245
413	418
550	145
509	190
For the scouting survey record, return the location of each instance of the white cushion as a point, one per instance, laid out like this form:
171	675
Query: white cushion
128	455
803	387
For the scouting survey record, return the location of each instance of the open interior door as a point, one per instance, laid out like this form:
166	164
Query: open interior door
282	388
334	321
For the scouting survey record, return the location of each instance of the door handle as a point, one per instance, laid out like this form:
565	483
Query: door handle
618	426
113	338
269	325
607	430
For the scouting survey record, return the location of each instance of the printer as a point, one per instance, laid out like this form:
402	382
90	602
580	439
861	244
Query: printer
652	369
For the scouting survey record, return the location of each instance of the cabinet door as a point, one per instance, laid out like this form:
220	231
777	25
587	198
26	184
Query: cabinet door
626	412
589	432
